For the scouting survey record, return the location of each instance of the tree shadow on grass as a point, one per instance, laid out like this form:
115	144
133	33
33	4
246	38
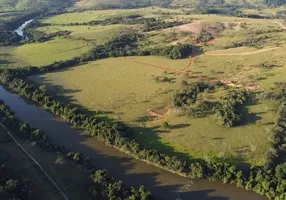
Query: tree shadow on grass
5	62
144	119
144	135
149	136
179	126
133	172
249	118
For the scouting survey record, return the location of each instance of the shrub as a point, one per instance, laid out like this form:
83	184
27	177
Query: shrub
227	112
164	125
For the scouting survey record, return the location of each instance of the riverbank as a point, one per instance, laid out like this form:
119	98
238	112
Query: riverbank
64	172
101	184
133	172
20	30
117	138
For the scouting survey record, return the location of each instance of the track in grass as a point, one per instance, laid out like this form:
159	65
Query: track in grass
36	163
242	54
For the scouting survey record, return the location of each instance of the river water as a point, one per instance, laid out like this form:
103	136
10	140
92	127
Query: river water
20	30
162	184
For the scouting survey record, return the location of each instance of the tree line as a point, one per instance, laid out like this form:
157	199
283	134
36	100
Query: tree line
39	36
149	24
9	38
125	44
129	20
256	42
104	186
277	152
263	180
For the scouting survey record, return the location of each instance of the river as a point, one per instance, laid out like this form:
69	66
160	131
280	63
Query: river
20	30
133	172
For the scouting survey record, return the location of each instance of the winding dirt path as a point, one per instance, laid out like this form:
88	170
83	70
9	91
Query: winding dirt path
192	60
150	65
185	71
280	24
243	53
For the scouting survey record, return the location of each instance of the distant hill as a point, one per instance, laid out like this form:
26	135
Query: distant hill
30	5
167	3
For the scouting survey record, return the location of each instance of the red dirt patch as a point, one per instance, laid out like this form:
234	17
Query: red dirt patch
154	114
194	27
189	66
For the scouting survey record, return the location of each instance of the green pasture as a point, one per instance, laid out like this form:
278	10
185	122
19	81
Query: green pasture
39	54
124	90
86	16
98	34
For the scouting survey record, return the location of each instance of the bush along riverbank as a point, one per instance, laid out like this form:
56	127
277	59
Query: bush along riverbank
104	186
263	180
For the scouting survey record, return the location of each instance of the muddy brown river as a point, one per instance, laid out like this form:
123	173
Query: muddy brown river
163	185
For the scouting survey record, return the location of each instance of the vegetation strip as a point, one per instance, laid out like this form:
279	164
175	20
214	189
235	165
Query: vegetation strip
104	185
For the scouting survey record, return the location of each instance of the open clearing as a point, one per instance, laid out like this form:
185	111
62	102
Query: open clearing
127	90
39	54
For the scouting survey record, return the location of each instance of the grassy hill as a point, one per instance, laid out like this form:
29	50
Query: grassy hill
175	3
29	5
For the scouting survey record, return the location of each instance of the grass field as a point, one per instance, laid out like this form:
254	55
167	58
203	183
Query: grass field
130	89
86	16
39	54
126	89
234	29
175	3
98	34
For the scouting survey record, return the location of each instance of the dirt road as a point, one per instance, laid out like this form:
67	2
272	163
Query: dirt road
280	24
243	53
192	60
150	65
